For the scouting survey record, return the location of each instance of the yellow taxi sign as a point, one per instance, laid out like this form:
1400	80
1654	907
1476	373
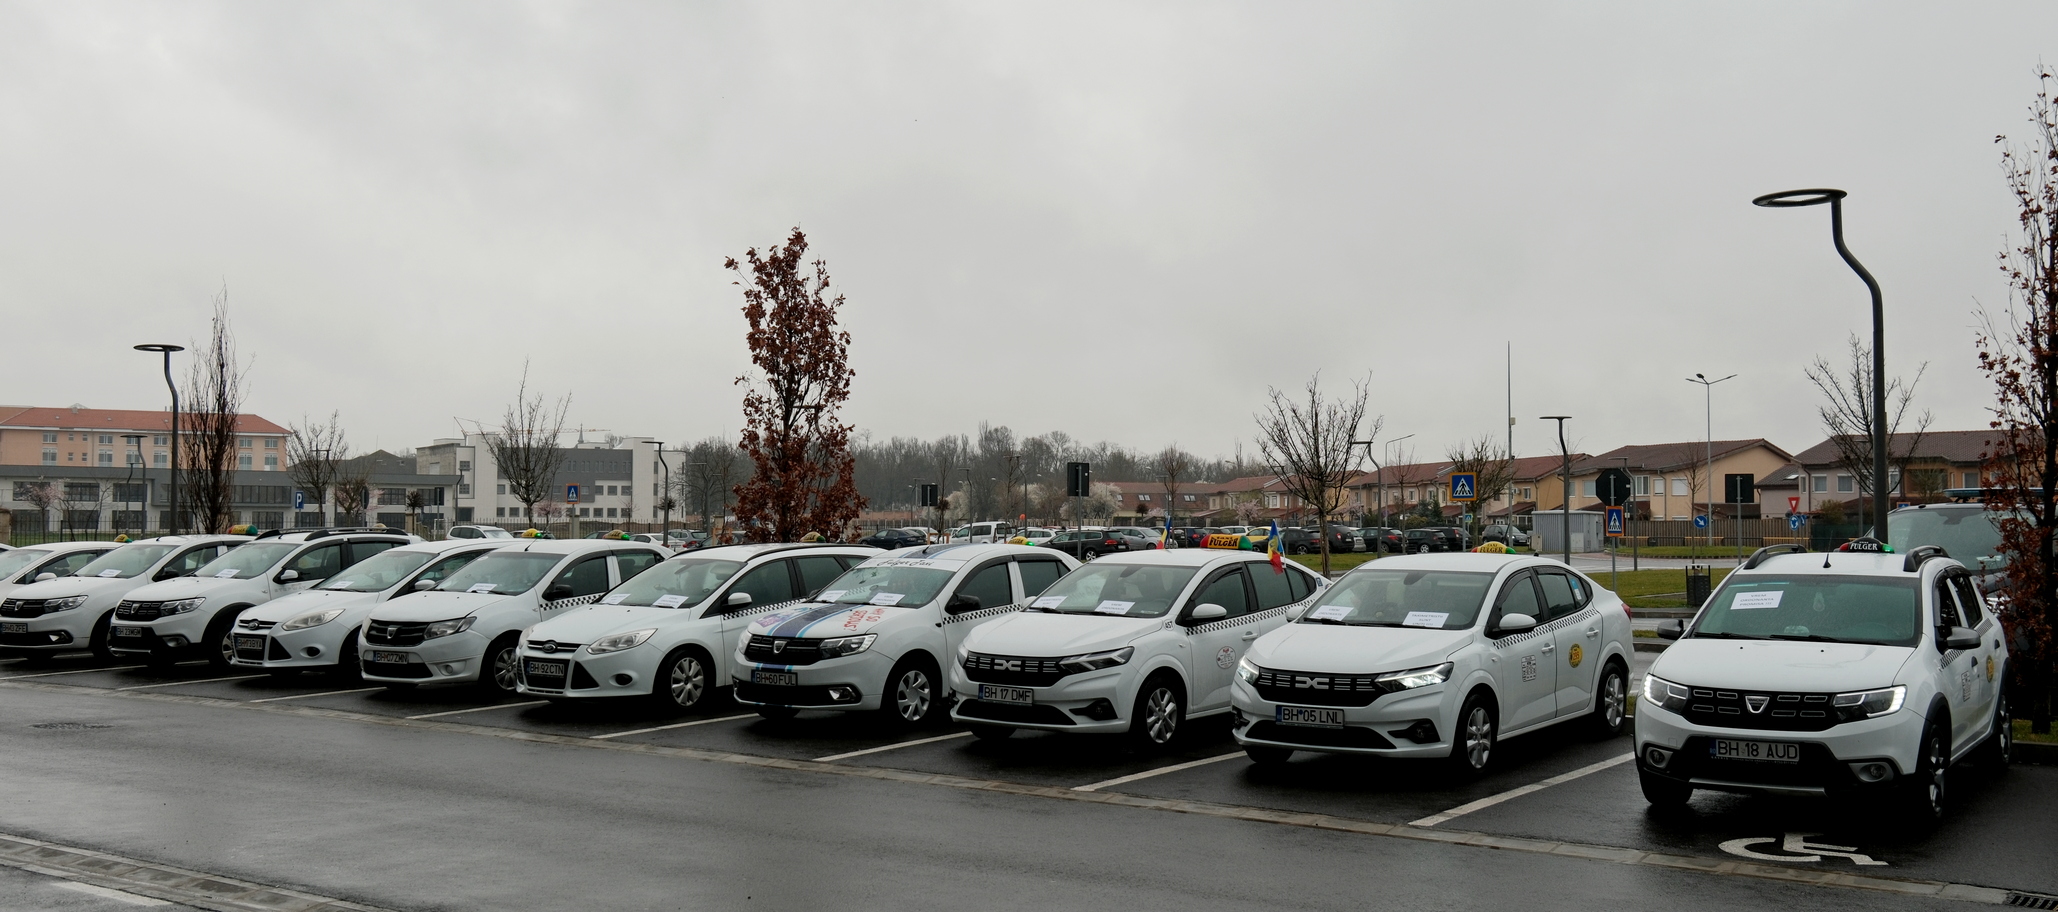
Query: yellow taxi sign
1223	540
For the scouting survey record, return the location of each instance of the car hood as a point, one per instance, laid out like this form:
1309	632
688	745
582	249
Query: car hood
67	586
821	619
440	606
1780	665
588	624
1354	650
1040	634
184	587
288	607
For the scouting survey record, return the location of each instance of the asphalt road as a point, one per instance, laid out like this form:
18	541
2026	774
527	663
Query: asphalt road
439	800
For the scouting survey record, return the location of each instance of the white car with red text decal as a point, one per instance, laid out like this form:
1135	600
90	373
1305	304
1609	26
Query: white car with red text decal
876	639
1135	642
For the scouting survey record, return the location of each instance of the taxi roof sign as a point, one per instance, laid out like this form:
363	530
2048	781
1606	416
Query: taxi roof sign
1867	544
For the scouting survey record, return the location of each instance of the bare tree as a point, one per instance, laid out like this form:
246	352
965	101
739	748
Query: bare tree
708	478
315	451
1172	464
1310	441
1846	414
207	437
353	492
524	448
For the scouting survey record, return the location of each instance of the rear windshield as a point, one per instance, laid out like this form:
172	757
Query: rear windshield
501	574
124	562
1126	590
1432	599
379	572
674	583
247	561
1879	611
1969	536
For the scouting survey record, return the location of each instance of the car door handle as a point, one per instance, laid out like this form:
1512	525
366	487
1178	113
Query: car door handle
1593	631
1250	636
1549	648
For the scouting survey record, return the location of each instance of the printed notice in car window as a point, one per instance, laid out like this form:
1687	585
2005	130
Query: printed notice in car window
225	574
1425	619
1757	599
1331	612
1047	601
110	573
483	587
832	595
886	598
669	601
1113	607
614	599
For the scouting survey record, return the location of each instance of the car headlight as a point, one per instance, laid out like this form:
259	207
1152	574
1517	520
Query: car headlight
620	641
1095	661
1247	671
522	639
1416	677
181	606
52	606
843	646
1865	704
1664	694
312	620
449	627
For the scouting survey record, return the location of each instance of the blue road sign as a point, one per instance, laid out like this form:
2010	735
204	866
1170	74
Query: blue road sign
571	493
299	500
1794	521
1464	487
1700	522
1614	522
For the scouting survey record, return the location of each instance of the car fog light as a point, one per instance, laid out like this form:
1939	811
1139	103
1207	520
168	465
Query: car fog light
449	669
1872	771
311	651
1099	710
1657	757
174	642
623	679
842	694
1422	732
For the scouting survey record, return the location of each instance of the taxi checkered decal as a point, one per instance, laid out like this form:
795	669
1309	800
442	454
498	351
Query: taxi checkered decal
981	613
756	610
574	602
1589	614
1227	623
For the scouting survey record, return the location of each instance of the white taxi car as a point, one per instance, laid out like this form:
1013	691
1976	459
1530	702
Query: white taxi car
657	635
317	629
73	612
466	629
1136	642
1437	655
36	563
1857	671
193	614
877	637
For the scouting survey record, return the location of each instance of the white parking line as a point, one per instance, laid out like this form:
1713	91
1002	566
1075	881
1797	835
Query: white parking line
327	693
477	709
75	671
645	731
1491	800
105	893
896	746
200	681
1146	774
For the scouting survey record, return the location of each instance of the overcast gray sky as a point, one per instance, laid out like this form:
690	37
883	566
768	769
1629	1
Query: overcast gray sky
1123	221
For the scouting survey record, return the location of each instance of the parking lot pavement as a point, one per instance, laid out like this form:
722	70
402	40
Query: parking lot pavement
29	891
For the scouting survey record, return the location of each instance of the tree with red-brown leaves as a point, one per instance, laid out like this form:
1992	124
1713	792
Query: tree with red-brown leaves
805	476
2018	351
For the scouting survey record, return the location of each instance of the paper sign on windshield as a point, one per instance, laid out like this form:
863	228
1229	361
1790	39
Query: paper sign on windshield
833	594
615	599
110	573
1758	599
1425	618
886	598
669	601
1113	607
1331	612
924	563
1047	601
483	587
226	574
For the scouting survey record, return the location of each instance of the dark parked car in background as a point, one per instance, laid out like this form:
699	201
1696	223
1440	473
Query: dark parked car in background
1460	540
1507	535
1423	541
890	539
1190	537
1088	545
1342	539
1383	539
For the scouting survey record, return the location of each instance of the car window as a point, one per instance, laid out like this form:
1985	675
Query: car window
363	549
442	569
1226	590
69	564
317	563
631	563
192	560
1518	596
1300	583
587	577
1946	612
1968	601
769	584
990	586
817	571
1559	594
1037	575
1273	587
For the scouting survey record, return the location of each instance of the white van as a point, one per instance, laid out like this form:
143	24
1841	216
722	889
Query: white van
983	533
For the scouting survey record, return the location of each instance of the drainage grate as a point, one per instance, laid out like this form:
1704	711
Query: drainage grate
69	726
2031	901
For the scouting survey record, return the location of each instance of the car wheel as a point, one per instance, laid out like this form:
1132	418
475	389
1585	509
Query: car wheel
98	641
1159	713
1473	742
1267	756
347	667
992	732
497	666
777	713
1611	702
911	696
682	683
1925	792
221	637
1088	554
1663	792
2001	744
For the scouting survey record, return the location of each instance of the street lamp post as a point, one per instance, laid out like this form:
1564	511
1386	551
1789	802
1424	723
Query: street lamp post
665	530
1382	476
136	443
172	526
1565	473
1708	389
1835	199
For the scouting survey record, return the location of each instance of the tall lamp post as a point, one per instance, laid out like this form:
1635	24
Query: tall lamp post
172	526
1565	473
1708	389
1835	199
1382	476
135	442
665	530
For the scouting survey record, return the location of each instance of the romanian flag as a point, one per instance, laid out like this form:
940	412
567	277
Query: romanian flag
1277	557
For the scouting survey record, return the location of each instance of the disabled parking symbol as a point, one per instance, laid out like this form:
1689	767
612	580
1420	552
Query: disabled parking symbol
1798	848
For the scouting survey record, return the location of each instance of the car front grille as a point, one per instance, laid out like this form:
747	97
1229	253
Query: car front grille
782	650
21	608
394	633
1018	671
139	611
1764	710
1314	688
255	624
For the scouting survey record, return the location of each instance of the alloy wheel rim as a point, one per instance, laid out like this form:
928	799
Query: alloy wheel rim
1161	717
1478	737
504	669
1938	766
2006	721
686	681
1615	700
228	645
913	695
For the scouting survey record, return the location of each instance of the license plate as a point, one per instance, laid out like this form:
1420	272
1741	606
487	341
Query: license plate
386	658
1755	751
128	632
1021	695
778	678
14	628
1309	715
250	642
547	669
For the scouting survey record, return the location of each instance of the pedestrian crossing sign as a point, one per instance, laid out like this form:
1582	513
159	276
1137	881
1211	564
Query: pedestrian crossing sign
1614	522
1464	487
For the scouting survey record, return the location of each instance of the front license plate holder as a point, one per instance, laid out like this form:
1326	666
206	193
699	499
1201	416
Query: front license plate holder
129	633
774	678
546	669
250	642
1754	751
381	657
14	628
1308	716
1022	696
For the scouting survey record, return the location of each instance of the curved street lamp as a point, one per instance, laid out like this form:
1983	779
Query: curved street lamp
172	525
1835	199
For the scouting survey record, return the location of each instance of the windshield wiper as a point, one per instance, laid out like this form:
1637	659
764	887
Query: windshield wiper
1724	636
1316	620
1806	637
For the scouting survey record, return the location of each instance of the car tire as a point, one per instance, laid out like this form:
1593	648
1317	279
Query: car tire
1663	792
777	713
97	642
1996	753
347	666
992	732
1088	554
684	681
497	666
1611	702
1476	734
913	696
1155	722
1267	756
1925	796
221	639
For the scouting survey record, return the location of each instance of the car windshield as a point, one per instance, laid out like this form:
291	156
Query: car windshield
1969	536
674	583
1843	609
124	562
1128	590
12	562
247	561
379	572
905	582
1433	599
502	574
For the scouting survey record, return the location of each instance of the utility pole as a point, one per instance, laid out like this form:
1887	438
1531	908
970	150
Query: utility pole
1565	473
1708	474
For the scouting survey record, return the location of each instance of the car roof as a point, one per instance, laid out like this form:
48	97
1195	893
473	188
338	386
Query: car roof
65	546
1841	563
571	545
453	544
190	539
1183	557
1474	561
965	552
751	552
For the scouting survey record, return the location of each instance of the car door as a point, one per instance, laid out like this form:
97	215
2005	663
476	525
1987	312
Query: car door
583	581
1959	670
1214	646
1037	574
769	585
1986	669
994	586
1577	638
630	563
1522	664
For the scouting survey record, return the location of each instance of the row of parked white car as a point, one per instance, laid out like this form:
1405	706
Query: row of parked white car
1803	674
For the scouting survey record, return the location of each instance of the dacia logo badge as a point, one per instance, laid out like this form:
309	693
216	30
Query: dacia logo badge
1756	704
778	646
1304	683
1007	665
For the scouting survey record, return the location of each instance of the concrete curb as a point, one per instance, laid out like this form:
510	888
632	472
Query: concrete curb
164	882
2035	753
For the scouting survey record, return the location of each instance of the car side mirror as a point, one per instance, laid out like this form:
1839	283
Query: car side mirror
1295	613
287	576
737	599
1514	623
559	591
1210	612
962	602
166	573
45	577
424	585
1672	629
1960	638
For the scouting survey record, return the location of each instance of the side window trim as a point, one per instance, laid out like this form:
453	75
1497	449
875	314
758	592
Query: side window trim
1193	601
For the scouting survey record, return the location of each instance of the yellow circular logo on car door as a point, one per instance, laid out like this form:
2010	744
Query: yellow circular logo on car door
1990	669
1574	655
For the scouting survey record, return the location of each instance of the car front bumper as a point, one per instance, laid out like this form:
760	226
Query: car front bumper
1392	725
178	632
63	631
308	647
454	659
1669	746
849	683
1092	702
627	673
